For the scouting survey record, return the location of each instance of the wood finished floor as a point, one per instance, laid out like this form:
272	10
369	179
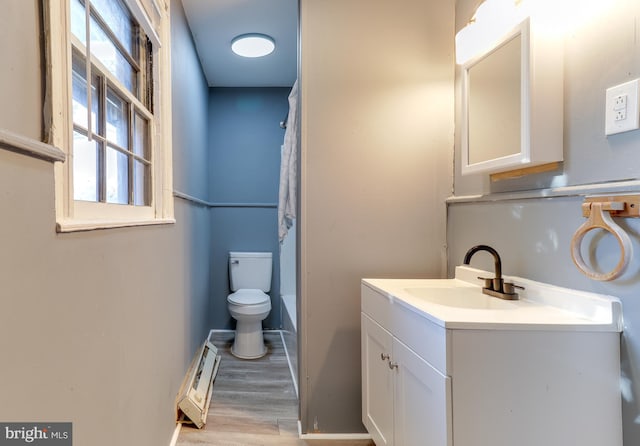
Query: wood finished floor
253	403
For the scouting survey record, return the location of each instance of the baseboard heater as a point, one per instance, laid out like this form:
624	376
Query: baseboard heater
192	402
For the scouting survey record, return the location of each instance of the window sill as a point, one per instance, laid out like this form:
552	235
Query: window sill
85	225
30	147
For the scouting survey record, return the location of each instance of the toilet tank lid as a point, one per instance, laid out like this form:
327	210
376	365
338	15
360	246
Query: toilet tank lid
249	254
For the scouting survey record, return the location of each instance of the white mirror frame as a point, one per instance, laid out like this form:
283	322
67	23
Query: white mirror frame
541	103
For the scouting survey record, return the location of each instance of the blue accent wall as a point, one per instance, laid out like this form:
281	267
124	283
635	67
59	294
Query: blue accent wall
244	168
190	152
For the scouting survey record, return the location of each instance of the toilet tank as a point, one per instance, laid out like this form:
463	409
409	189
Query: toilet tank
250	270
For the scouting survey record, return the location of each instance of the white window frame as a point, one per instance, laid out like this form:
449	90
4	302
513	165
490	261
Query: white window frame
73	215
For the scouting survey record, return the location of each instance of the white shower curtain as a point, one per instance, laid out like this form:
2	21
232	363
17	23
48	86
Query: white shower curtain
288	168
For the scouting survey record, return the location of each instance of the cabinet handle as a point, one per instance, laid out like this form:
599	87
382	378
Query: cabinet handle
393	365
385	356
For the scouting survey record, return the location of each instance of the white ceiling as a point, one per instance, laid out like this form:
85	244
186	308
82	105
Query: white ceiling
214	23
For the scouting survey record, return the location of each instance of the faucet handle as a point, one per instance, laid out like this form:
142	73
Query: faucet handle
509	288
488	282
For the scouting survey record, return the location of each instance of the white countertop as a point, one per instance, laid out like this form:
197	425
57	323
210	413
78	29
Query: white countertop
540	306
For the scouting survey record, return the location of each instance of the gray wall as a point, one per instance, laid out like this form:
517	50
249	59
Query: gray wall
97	327
533	235
244	167
20	66
377	142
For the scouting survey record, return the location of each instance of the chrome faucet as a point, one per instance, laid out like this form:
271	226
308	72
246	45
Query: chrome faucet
495	287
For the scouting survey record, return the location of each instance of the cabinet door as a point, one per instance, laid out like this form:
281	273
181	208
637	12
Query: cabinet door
377	382
422	401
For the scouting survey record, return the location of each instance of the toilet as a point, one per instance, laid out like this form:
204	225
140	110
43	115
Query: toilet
249	305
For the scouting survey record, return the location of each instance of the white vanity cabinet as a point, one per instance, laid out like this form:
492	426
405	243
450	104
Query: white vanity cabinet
406	400
447	379
377	381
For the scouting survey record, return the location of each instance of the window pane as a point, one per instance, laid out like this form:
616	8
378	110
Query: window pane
85	168
107	53
117	18
117	177
79	86
103	48
140	136
117	120
78	20
141	180
116	166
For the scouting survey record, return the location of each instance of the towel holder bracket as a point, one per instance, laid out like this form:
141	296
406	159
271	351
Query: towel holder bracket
627	205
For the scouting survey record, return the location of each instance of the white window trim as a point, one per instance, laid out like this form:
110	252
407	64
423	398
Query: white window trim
72	215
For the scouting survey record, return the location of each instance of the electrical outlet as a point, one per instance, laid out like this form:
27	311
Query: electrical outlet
621	108
620	102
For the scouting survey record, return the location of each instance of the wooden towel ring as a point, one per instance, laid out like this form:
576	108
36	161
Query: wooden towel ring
599	219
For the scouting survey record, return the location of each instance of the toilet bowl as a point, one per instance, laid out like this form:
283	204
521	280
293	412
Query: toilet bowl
249	305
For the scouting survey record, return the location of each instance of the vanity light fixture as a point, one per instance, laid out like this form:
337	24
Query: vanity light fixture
491	21
253	45
494	19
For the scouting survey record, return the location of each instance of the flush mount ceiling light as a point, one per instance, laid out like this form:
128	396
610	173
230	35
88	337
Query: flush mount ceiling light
253	45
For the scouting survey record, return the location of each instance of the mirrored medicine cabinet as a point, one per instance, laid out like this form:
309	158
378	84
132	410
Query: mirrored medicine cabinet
512	104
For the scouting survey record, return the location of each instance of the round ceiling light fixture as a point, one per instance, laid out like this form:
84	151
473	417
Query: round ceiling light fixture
253	45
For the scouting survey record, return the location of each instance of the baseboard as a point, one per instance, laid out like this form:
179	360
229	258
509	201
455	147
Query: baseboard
334	437
286	352
219	330
176	433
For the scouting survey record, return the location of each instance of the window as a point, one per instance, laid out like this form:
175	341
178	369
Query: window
108	95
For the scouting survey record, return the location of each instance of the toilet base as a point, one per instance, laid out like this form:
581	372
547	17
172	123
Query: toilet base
241	356
249	341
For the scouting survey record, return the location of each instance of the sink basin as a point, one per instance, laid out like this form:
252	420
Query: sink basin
459	303
460	297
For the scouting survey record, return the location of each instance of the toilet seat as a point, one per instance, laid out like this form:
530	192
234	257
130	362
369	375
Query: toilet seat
249	307
248	297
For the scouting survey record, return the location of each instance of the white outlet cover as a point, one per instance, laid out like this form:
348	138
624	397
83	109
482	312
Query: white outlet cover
632	122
